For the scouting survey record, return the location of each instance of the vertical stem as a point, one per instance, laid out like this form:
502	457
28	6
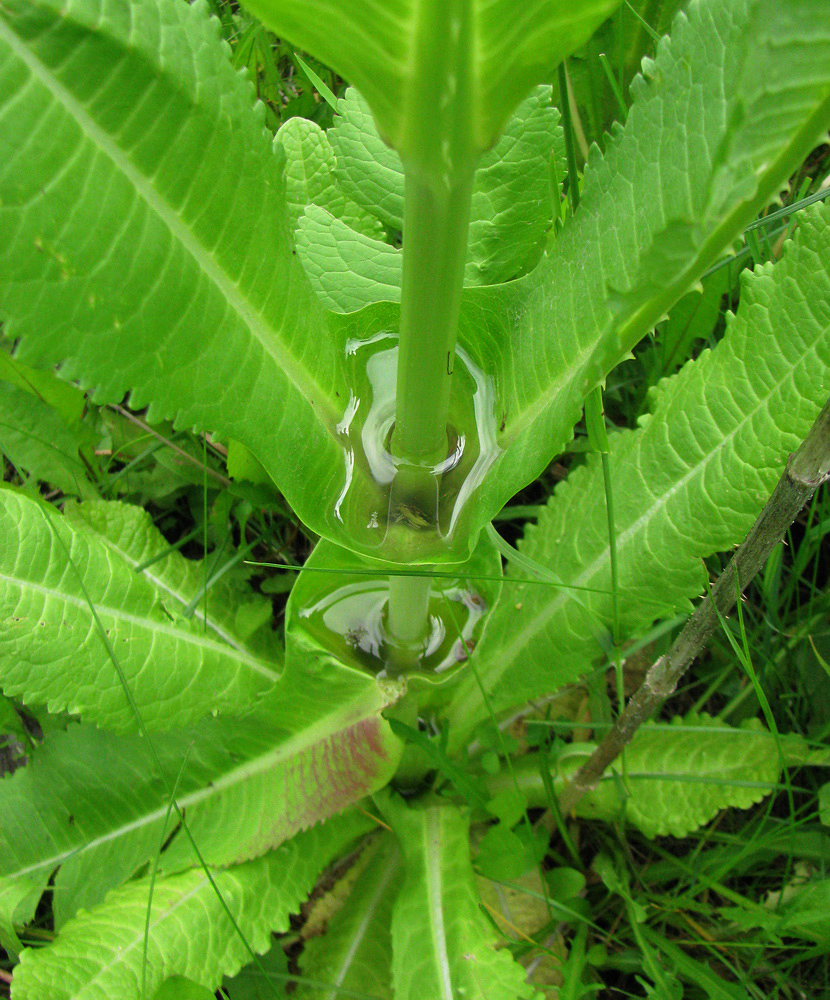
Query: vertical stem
439	149
436	218
407	619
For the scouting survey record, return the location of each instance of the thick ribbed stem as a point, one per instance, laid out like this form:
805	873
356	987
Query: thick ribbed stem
435	248
407	621
436	217
439	150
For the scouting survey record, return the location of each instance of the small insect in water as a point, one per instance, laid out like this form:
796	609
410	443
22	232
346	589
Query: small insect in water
354	636
405	513
463	648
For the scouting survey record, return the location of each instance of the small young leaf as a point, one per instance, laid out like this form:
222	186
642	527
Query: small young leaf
35	438
310	178
356	950
179	988
510	210
507	855
677	778
263	981
68	400
443	944
347	269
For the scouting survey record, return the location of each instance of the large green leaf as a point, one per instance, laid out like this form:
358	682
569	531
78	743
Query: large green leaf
215	323
231	611
98	954
52	652
688	483
314	748
443	946
452	71
146	244
731	106
355	953
676	777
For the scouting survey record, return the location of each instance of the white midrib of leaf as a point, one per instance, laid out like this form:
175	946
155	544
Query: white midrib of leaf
507	654
250	769
266	335
117	614
380	890
432	854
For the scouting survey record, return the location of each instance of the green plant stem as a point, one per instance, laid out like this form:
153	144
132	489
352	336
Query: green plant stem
805	471
407	620
436	218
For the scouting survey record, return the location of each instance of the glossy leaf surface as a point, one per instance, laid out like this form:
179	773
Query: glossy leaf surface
337	613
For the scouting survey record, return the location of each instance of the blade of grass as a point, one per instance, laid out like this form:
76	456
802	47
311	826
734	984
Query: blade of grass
615	86
654	36
317	83
154	873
